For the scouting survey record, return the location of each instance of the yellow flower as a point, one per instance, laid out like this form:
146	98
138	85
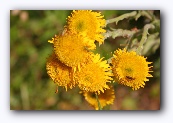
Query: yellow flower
87	23
72	49
130	69
105	98
94	75
59	73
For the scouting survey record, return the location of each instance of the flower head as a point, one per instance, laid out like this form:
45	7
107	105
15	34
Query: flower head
105	98
59	73
87	23
94	75
130	69
72	49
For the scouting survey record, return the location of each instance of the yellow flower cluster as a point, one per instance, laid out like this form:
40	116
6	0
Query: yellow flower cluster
73	62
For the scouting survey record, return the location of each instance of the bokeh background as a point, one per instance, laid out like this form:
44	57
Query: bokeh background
32	89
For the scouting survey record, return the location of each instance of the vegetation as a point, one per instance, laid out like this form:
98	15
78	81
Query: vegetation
32	89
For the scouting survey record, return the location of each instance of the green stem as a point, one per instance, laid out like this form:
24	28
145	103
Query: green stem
119	32
156	23
100	108
127	15
144	37
144	13
129	41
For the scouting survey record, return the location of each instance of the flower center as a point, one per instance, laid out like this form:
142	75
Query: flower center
128	70
80	26
88	79
128	74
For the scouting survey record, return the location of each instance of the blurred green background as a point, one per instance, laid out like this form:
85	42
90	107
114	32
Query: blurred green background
32	89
